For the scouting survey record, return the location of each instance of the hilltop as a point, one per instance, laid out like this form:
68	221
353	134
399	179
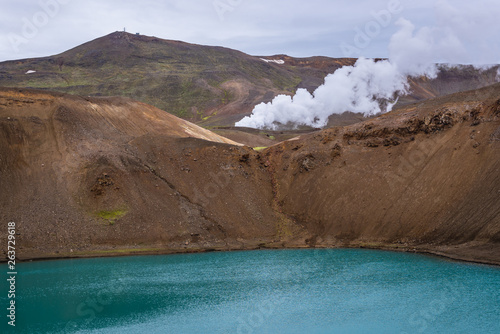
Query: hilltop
187	80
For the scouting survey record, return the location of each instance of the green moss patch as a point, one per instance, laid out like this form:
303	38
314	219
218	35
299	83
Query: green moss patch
111	216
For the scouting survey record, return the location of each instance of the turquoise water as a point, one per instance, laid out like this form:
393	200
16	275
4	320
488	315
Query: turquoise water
281	291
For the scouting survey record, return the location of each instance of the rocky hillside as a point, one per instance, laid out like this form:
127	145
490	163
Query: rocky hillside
424	176
213	86
108	176
82	174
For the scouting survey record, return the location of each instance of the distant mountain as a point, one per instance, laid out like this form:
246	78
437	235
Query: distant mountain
187	80
213	86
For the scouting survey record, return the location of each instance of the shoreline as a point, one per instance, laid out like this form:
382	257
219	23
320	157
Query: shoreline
124	252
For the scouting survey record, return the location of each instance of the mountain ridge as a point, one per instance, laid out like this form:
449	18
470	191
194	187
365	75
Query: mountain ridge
208	85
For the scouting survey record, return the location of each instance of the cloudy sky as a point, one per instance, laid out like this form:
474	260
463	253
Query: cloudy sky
35	28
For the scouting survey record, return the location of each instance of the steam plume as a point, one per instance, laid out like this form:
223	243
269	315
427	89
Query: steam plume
355	88
372	87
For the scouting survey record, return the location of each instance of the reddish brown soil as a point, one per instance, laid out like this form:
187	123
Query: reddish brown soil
109	176
426	177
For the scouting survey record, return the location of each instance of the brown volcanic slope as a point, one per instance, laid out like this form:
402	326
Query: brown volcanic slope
84	177
427	175
86	173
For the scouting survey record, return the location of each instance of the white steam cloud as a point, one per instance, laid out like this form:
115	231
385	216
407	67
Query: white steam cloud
372	87
355	88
